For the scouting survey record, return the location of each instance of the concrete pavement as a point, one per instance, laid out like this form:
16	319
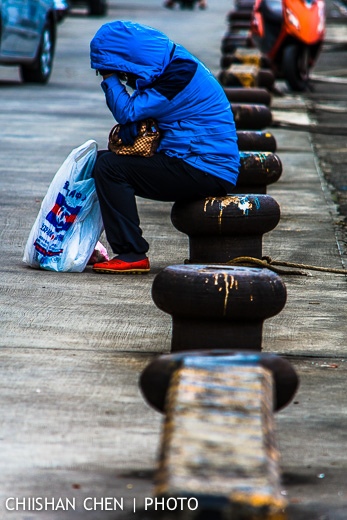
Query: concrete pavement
72	345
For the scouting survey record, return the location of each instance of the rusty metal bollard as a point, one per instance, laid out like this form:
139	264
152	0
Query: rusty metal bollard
251	117
223	228
258	96
246	57
244	4
155	378
250	140
239	25
218	441
240	15
232	41
247	76
252	162
258	169
218	306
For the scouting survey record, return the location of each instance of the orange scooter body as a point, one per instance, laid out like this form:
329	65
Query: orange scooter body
305	20
278	24
257	25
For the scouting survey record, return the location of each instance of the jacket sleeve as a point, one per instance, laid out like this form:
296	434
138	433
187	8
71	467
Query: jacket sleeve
141	105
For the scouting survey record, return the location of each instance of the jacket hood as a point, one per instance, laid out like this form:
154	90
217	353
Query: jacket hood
131	47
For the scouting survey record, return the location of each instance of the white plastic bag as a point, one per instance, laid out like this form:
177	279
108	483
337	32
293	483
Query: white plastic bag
69	222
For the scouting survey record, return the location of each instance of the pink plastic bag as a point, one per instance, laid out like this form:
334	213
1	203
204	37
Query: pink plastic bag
99	255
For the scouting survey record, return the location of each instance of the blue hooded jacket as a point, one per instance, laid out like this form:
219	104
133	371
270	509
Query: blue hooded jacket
175	88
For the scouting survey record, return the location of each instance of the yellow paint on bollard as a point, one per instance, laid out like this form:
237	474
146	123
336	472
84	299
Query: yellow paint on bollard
247	75
242	203
249	56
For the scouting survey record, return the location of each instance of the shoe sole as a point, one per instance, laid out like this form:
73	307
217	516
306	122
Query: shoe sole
130	271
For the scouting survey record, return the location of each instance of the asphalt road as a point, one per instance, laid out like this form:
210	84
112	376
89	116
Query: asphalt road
328	106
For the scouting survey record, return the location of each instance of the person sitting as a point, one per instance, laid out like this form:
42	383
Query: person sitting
197	155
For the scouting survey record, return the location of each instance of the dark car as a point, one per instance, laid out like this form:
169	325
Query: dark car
95	7
27	37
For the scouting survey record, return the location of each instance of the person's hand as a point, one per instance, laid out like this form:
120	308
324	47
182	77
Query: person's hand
105	73
127	133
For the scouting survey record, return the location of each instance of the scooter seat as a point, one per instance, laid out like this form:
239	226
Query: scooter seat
272	11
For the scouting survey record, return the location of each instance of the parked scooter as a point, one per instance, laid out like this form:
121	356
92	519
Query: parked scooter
290	33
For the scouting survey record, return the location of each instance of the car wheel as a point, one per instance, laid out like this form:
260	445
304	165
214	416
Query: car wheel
40	70
97	7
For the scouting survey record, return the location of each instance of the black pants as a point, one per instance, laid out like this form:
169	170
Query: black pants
119	178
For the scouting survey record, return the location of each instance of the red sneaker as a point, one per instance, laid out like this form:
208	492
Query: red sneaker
116	266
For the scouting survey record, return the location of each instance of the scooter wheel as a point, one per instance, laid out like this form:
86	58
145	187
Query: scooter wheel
296	67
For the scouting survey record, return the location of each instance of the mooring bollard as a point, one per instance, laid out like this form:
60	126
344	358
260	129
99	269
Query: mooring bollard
218	445
239	25
218	306
259	96
247	76
251	117
232	41
223	228
251	140
240	15
257	171
155	378
247	57
244	4
253	163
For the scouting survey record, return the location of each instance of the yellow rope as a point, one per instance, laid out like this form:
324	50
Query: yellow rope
268	263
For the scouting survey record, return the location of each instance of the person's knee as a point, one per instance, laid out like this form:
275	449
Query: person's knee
98	168
111	169
105	168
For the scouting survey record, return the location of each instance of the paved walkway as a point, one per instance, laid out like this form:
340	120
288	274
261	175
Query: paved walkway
72	345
